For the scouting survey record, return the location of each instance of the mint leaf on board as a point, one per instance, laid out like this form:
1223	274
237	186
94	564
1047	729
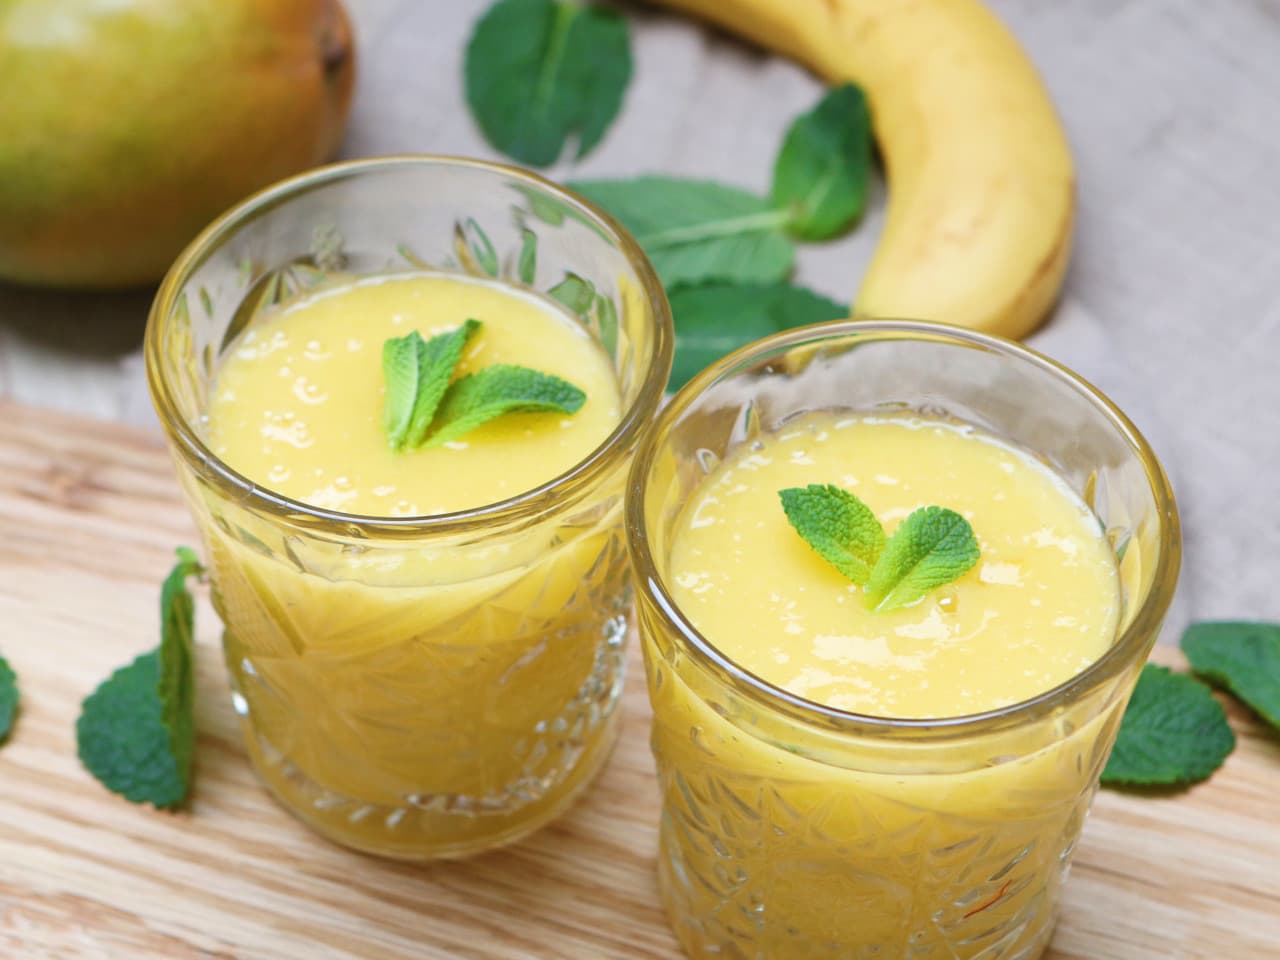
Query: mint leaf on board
931	547
820	175
497	390
538	71
837	525
8	698
696	231
1173	732
123	741
1242	657
136	732
417	373
716	318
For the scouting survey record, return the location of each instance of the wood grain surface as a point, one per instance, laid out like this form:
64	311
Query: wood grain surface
89	516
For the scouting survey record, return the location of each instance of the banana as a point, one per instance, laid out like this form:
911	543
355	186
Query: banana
982	191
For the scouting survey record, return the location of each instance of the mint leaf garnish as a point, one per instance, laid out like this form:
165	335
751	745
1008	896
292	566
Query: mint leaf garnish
931	547
423	407
538	71
716	318
417	374
136	732
820	176
697	231
840	527
1173	732
1242	657
8	698
123	741
500	389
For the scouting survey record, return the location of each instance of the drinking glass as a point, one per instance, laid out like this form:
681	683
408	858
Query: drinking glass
421	686
795	830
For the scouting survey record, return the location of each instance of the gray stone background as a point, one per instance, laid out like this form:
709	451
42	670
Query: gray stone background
1172	305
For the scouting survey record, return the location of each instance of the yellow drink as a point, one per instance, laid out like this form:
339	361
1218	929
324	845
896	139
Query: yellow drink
441	696
1040	606
298	400
845	784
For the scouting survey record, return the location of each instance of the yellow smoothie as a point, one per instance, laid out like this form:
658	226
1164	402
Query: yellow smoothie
783	842
427	695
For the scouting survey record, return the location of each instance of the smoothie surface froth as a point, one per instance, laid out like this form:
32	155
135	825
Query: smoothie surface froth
297	403
1040	606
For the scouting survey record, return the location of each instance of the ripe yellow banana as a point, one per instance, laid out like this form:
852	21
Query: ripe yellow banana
981	202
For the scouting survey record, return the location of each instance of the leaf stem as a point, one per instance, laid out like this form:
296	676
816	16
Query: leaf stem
750	222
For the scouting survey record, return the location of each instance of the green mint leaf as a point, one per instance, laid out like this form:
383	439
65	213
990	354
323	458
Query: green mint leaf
696	231
136	732
417	374
1242	657
717	318
500	389
401	365
840	527
820	176
538	71
931	547
1173	732
123	741
8	698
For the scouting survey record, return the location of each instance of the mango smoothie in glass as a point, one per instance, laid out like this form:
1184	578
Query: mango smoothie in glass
425	643
848	777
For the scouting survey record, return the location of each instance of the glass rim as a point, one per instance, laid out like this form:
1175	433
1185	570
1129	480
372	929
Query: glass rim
1129	644
525	505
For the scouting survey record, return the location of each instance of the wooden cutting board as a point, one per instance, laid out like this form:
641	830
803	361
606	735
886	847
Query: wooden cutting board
89	517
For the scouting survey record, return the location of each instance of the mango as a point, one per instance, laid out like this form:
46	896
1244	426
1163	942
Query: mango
127	125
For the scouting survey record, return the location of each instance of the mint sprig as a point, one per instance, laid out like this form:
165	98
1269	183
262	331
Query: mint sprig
538	71
1242	657
136	732
821	173
932	547
8	698
417	372
424	408
1174	732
